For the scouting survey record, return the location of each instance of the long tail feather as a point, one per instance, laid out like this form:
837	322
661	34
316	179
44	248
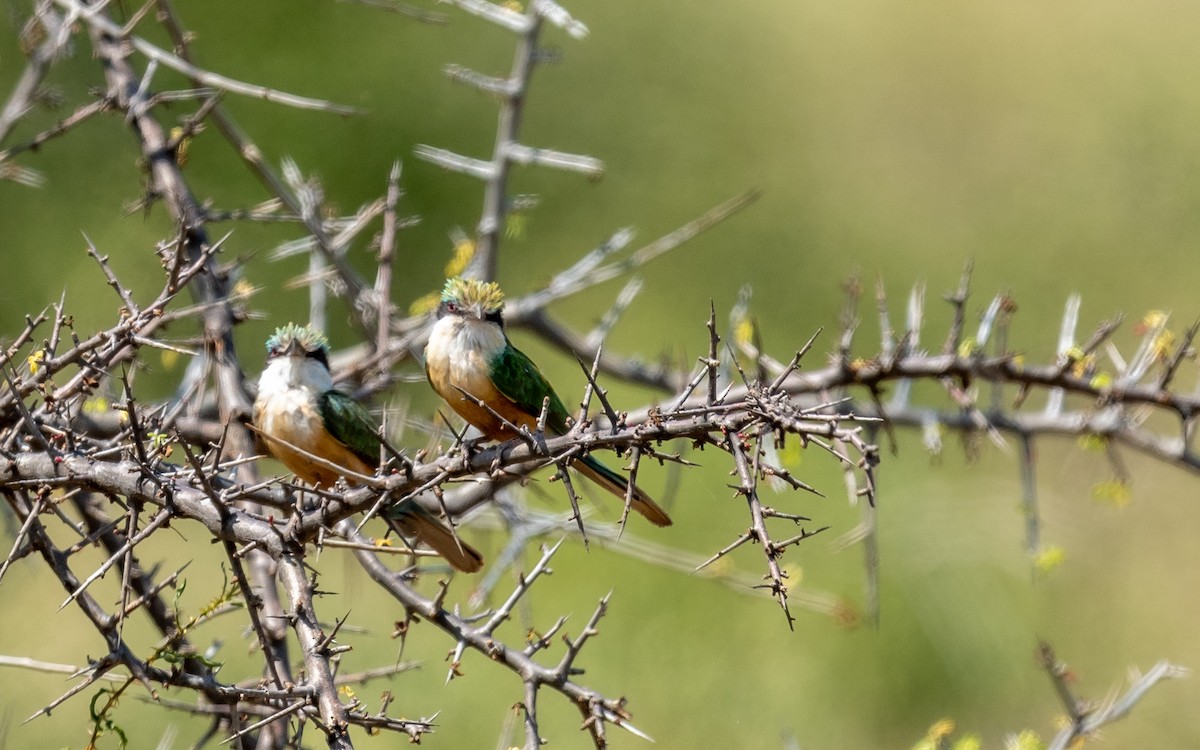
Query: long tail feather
617	484
412	520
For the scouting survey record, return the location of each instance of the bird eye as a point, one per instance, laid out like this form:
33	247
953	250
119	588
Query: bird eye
452	307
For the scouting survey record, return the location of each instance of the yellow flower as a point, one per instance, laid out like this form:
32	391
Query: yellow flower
95	405
422	305
35	361
743	332
1151	320
1114	492
1083	365
1163	345
464	250
181	151
1048	559
243	288
968	742
1028	740
1093	442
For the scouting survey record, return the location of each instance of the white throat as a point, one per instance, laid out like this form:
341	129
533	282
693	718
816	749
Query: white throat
284	374
461	339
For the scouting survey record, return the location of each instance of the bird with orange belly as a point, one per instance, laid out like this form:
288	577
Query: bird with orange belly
302	415
470	361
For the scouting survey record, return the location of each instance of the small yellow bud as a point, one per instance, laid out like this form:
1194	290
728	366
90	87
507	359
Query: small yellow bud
743	332
35	361
1163	345
1083	366
1114	492
422	305
1028	740
1048	559
243	288
181	151
1153	319
464	250
1093	442
968	742
95	405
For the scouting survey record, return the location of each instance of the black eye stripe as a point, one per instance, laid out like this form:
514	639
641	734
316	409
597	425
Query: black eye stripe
319	355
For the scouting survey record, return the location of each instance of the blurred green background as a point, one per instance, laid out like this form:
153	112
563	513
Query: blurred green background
1053	143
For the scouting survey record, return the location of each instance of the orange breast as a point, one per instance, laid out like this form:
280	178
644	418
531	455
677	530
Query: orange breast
447	378
295	422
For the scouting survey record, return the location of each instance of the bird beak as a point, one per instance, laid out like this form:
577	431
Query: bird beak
294	349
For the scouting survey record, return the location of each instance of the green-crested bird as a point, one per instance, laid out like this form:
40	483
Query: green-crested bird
469	352
298	408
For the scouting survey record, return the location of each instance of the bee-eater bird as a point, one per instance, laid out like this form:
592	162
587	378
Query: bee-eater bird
298	408
469	353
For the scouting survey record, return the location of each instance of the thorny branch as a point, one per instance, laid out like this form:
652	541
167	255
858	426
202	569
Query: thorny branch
1086	718
76	456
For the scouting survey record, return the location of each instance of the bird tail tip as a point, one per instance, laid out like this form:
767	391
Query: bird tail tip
617	485
440	538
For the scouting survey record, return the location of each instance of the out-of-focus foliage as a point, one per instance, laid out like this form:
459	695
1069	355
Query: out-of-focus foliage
1054	143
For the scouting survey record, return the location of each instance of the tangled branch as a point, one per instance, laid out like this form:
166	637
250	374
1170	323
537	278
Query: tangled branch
84	459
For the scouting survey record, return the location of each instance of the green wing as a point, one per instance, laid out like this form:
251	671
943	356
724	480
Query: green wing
351	424
518	378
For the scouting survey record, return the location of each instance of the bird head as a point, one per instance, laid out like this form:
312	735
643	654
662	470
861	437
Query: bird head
299	342
473	300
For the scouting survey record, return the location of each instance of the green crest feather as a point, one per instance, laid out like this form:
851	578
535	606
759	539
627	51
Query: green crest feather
471	293
308	337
